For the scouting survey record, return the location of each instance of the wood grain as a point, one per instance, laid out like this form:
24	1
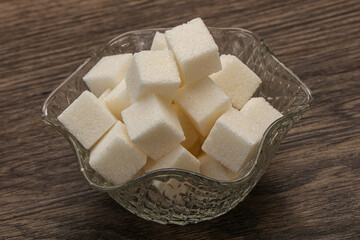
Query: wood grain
312	187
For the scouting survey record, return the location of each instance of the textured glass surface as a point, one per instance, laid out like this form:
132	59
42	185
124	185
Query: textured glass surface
182	197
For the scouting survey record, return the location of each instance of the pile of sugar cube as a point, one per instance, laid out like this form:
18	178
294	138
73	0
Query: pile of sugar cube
177	105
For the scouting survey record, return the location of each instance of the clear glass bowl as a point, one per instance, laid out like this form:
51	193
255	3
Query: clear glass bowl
179	196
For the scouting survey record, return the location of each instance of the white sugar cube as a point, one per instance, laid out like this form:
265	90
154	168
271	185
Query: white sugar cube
153	126
107	73
104	94
214	169
189	130
179	157
236	79
203	102
159	42
195	50
261	112
87	119
231	139
152	72
118	100
115	157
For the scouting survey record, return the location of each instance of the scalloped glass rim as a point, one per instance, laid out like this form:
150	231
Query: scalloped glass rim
290	116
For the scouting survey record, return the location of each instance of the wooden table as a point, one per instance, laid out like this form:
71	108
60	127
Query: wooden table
311	189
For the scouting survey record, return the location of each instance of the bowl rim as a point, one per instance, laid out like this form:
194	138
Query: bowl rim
169	171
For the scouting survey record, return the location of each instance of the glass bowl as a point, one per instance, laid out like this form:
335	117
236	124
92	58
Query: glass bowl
179	196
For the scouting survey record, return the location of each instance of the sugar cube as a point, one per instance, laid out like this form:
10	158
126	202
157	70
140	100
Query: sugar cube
203	102
104	94
153	126
236	79
214	169
107	73
195	50
231	139
152	72
179	157
176	190
87	119
189	130
115	157
118	100
260	111
159	42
